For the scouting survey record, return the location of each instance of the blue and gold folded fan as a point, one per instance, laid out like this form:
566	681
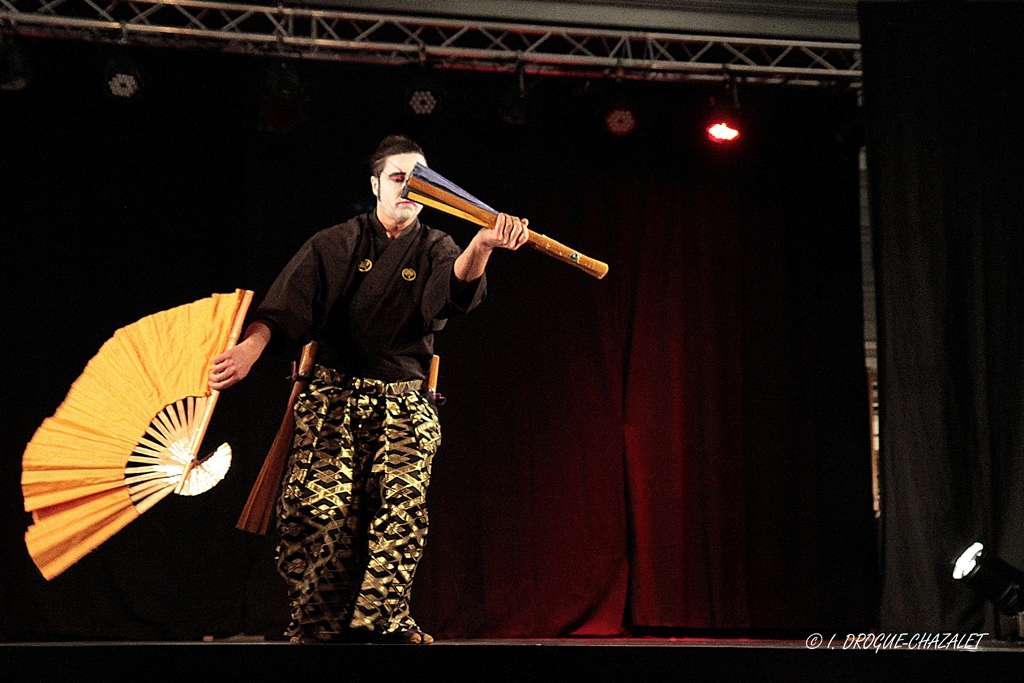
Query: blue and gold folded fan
432	189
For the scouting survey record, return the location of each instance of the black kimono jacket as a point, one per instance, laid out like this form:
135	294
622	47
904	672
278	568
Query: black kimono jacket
371	303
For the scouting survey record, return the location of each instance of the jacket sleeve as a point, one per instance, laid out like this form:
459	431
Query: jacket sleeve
293	306
444	295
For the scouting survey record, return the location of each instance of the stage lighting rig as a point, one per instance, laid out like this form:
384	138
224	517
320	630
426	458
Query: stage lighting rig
620	116
513	100
122	79
14	71
424	96
721	131
723	125
423	102
995	579
620	120
123	85
283	98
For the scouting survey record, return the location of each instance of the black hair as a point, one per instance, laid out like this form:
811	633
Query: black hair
392	144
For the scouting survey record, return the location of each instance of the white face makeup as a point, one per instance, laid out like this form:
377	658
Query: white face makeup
394	211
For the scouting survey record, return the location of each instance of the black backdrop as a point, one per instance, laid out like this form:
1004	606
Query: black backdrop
943	104
680	446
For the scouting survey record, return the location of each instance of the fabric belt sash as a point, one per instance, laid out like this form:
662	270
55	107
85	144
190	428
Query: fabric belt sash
365	385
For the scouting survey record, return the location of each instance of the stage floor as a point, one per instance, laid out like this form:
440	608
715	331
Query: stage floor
620	659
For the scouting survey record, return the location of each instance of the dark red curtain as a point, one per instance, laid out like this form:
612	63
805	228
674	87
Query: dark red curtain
680	446
687	438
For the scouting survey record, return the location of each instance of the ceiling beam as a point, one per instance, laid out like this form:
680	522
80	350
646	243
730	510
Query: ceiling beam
829	20
376	38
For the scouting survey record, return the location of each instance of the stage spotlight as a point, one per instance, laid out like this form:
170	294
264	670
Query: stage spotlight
423	102
996	580
122	79
722	126
283	106
513	99
721	132
424	97
123	85
618	111
620	120
14	71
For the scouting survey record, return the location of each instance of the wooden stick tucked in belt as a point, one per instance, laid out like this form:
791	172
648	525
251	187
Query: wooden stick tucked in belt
435	363
255	516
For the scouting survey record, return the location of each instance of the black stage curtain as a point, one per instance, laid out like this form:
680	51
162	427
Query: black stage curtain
943	104
681	445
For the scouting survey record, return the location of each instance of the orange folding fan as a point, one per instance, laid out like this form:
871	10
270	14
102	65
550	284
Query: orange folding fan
129	431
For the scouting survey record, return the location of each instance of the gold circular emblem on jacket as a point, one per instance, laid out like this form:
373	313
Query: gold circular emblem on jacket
409	274
365	265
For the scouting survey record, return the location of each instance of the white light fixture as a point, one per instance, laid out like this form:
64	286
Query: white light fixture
995	579
123	85
966	563
423	95
423	102
122	78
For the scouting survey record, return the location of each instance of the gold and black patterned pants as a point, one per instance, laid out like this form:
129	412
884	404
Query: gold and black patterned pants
352	515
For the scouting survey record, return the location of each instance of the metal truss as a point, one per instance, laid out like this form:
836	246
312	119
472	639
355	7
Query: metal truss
445	43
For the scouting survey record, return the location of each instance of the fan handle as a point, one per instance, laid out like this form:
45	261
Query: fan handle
197	437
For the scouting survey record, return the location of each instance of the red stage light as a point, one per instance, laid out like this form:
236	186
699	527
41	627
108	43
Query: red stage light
620	121
721	132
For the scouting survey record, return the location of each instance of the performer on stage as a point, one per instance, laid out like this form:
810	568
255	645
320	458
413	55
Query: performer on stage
372	291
